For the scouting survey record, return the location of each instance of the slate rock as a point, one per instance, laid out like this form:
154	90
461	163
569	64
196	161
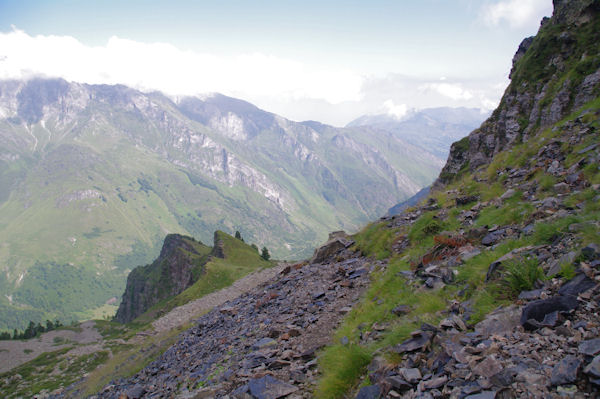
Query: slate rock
593	368
467	199
537	310
401	310
369	392
590	252
136	392
269	387
398	383
412	375
499	321
482	395
488	367
435	382
531	295
576	285
565	371
508	194
590	347
492	238
418	342
264	343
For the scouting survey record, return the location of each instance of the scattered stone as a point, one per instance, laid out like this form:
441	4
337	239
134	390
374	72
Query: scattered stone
264	343
562	188
488	367
398	383
576	285
419	341
593	368
590	347
410	375
508	194
136	392
483	395
590	252
401	310
268	387
435	383
460	201
531	295
565	371
369	392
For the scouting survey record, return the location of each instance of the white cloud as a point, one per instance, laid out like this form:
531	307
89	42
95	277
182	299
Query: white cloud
516	13
398	111
450	90
160	66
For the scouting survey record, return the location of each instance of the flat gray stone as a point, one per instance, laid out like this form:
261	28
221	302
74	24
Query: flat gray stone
590	347
565	371
269	387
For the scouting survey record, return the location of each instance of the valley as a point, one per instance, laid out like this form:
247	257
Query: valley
93	177
481	283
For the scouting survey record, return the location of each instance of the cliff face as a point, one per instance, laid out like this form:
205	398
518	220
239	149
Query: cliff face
553	74
178	266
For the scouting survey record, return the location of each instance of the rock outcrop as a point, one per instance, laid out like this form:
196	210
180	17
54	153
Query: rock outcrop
553	73
176	268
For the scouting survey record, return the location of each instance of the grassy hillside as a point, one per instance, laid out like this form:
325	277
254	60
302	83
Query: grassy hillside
344	366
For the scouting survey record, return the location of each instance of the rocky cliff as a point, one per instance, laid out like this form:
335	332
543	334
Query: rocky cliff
178	266
553	73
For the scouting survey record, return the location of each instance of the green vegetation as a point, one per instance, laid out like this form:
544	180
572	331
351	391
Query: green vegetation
343	366
48	372
522	275
102	194
375	240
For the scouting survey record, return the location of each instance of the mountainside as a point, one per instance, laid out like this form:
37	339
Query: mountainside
92	177
553	74
488	288
434	129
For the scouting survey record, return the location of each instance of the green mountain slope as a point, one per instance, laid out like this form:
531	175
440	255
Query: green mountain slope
94	177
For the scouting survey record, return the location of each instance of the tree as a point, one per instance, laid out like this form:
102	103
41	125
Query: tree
238	235
49	325
255	247
29	331
265	254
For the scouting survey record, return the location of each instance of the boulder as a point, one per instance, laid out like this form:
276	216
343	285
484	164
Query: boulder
331	248
537	311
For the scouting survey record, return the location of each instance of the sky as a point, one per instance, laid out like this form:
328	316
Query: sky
330	61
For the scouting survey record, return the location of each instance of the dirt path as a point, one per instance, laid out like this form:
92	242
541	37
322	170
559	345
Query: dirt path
15	353
196	308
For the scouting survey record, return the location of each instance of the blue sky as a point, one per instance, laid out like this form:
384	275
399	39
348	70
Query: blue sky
325	60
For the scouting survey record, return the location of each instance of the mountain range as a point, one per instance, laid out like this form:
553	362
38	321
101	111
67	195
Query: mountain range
92	177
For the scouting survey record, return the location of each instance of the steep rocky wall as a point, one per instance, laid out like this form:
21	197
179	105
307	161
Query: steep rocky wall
170	274
553	74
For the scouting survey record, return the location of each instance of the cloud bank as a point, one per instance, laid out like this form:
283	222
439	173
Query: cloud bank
294	89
